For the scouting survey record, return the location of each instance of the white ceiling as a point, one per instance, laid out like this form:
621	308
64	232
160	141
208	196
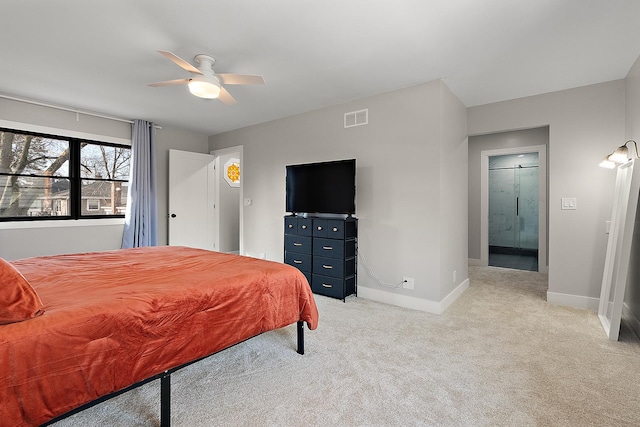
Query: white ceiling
99	55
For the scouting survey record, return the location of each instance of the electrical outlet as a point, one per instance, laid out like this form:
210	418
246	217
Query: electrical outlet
408	282
454	276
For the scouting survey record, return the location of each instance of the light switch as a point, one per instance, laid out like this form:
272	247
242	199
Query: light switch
569	203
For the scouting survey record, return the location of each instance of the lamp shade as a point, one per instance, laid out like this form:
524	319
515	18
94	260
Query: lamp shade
621	155
607	164
204	87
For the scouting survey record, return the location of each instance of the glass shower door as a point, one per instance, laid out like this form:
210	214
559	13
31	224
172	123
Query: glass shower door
502	208
513	207
527	207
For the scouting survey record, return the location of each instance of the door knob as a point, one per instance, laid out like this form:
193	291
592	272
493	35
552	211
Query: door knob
173	215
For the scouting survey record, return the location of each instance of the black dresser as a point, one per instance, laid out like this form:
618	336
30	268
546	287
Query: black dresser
325	250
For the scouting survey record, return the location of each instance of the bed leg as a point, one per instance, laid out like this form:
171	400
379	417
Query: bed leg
165	400
300	337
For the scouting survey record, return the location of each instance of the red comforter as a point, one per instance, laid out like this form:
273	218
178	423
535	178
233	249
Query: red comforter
116	318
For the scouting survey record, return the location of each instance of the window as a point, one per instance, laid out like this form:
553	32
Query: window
47	177
93	204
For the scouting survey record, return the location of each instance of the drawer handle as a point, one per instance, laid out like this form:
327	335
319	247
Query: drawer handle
297	244
290	225
319	227
304	227
297	261
324	285
328	267
335	229
327	248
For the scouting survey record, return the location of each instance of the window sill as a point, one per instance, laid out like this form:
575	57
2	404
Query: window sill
13	225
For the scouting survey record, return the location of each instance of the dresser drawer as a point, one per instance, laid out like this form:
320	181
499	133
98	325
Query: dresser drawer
328	247
290	225
334	267
301	261
319	228
335	229
301	244
328	286
305	226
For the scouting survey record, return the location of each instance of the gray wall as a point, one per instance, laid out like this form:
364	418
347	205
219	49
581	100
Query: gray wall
21	239
493	141
453	202
584	124
411	183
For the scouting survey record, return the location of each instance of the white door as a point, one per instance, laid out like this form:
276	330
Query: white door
191	200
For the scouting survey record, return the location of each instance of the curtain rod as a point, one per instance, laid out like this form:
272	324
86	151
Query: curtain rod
72	110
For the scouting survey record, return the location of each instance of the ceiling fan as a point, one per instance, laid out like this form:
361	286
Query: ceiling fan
206	83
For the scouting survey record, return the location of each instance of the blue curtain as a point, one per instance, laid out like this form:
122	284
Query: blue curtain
141	218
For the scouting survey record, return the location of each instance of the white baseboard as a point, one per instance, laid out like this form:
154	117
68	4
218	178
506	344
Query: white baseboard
413	302
631	317
575	301
453	295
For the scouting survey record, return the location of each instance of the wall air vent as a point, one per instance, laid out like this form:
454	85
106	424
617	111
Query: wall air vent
356	118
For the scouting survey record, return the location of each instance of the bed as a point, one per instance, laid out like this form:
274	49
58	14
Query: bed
75	328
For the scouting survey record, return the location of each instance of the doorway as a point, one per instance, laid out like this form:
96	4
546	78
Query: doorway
519	240
229	198
513	211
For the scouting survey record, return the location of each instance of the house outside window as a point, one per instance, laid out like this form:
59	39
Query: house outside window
55	177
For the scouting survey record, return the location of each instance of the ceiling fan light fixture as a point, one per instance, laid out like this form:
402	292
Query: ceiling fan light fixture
203	87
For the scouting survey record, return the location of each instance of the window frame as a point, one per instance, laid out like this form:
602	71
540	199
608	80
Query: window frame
97	202
75	178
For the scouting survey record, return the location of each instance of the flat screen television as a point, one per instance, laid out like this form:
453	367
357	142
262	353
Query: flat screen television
322	188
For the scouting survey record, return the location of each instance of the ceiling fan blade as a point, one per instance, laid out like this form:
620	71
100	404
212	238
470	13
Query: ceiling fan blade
226	97
240	79
170	82
180	62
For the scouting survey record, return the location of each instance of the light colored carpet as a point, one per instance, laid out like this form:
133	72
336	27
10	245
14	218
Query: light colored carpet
499	356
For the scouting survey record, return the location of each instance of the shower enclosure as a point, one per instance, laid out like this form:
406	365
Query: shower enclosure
513	205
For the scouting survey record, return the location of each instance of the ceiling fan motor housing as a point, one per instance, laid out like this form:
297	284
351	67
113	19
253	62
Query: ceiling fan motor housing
205	62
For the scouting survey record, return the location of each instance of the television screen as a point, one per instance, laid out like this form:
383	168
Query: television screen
327	187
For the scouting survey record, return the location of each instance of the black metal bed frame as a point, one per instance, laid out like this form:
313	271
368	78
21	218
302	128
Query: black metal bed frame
165	385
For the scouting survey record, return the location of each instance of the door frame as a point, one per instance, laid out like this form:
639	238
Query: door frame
238	149
542	201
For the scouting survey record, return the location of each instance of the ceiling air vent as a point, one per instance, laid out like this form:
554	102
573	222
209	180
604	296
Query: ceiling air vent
356	118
